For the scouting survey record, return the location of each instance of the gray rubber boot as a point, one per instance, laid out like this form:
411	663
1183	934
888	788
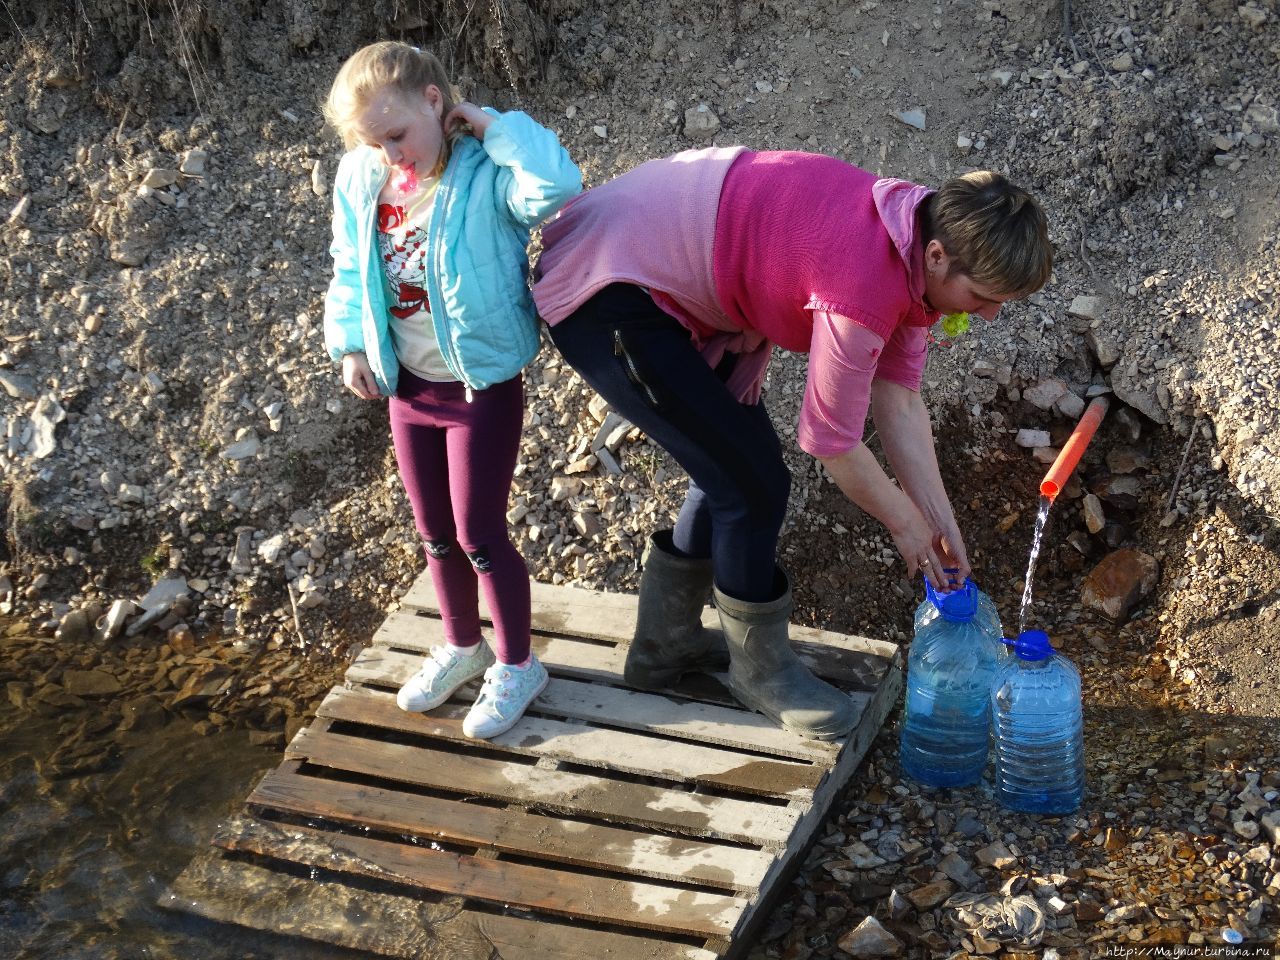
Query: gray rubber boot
767	676
670	639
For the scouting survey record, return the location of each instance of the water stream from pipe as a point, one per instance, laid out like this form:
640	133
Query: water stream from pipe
1041	518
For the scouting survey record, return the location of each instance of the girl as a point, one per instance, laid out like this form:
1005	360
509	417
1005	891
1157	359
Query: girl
429	305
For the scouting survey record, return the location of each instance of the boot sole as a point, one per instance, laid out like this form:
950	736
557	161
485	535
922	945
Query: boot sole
665	679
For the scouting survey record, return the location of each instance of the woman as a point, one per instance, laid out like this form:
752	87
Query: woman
667	289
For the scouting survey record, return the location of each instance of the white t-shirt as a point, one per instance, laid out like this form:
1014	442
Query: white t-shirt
403	218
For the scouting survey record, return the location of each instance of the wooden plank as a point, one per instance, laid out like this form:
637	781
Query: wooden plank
587	745
515	831
849	669
660	713
618	801
806	829
602	615
392	925
678	910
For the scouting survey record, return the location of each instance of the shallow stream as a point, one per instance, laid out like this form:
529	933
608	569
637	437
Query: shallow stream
83	859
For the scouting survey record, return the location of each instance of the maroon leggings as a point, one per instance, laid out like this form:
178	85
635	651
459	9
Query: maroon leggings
457	460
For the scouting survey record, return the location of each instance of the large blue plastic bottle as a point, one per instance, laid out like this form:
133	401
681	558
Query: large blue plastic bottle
950	669
988	615
1039	729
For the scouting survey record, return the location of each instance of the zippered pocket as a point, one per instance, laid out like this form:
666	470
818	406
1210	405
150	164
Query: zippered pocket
631	370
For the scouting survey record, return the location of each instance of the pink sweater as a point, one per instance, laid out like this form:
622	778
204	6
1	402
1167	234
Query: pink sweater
762	255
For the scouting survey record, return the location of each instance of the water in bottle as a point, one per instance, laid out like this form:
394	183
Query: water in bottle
1039	729
948	707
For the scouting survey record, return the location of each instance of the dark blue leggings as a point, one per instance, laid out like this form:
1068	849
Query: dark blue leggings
643	362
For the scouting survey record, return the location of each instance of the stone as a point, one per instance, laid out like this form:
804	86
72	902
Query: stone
898	905
562	488
996	855
701	122
17	385
1029	438
912	118
1122	63
931	894
1252	15
1119	582
1126	460
74	628
194	162
956	868
1045	393
164	594
90	683
1086	307
870	939
158	177
245	448
1094	518
46	416
1271	824
1119	491
319	180
1069	405
1104	346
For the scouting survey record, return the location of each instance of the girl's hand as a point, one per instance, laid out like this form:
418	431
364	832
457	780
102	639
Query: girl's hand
358	376
949	545
468	113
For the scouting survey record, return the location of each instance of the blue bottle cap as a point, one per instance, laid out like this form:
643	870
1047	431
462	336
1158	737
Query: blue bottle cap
1031	645
958	606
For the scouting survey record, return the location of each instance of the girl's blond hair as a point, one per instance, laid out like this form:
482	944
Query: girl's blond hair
376	67
994	232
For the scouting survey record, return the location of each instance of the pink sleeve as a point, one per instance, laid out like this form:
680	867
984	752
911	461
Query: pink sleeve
843	356
904	355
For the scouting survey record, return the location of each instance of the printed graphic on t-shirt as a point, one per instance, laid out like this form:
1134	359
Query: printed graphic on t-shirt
403	247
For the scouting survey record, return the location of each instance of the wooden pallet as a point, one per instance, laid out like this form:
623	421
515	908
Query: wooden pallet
608	823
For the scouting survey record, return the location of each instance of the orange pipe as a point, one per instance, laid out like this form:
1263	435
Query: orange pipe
1073	449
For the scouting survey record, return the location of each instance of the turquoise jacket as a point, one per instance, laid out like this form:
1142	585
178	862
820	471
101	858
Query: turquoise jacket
492	192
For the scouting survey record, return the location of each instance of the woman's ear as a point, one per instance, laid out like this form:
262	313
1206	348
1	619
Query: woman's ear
936	258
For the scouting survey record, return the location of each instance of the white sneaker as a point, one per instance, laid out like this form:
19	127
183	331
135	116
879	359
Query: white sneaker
440	675
506	694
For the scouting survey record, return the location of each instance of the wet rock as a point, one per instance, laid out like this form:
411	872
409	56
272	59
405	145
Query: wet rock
870	939
142	714
90	683
1119	582
1126	460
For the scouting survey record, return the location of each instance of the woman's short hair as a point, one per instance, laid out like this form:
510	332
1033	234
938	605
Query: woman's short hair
994	232
373	68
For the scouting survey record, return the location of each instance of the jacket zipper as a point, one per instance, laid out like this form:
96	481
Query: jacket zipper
629	365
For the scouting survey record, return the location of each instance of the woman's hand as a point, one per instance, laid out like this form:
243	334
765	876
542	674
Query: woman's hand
358	377
468	113
919	544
